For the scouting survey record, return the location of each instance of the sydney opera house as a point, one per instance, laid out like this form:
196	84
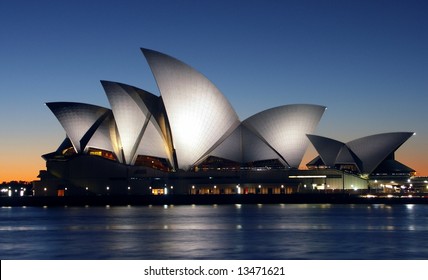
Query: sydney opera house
189	140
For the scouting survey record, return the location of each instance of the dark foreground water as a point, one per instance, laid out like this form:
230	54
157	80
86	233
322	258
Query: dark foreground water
300	231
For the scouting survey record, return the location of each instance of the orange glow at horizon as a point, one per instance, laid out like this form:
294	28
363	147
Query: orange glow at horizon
23	170
26	167
410	156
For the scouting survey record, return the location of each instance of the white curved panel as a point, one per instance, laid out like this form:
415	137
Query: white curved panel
76	119
199	114
102	138
255	149
373	149
152	143
285	129
129	117
231	147
327	148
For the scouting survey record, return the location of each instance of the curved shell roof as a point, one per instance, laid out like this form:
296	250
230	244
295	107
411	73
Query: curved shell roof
327	148
198	113
133	111
366	152
190	121
104	137
284	128
373	149
244	146
80	121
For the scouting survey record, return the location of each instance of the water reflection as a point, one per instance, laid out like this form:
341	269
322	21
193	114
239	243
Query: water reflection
302	231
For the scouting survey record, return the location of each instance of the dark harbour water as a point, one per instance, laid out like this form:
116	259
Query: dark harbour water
278	231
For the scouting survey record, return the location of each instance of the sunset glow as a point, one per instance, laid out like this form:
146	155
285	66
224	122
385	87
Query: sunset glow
364	60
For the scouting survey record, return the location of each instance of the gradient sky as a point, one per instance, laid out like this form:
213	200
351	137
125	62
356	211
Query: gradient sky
367	61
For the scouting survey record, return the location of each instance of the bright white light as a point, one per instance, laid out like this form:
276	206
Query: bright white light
282	186
107	188
165	190
129	188
193	187
260	186
199	114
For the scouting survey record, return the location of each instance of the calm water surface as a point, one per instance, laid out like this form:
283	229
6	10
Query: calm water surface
302	231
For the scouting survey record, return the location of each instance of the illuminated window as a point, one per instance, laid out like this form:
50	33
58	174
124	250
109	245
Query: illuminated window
95	153
157	191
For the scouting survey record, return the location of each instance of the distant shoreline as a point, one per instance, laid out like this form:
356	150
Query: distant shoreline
143	200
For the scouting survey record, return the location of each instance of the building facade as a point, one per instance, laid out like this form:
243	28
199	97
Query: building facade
189	140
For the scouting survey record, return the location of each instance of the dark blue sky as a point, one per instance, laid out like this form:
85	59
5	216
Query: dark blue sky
367	61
